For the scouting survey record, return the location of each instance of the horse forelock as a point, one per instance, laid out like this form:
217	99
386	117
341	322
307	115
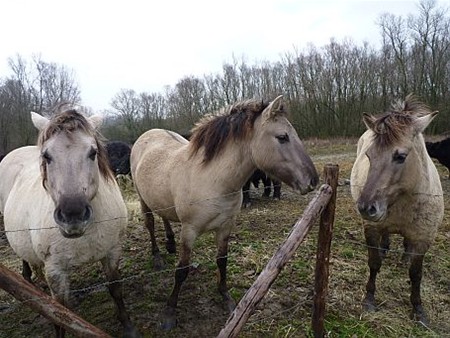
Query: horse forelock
216	130
70	121
392	126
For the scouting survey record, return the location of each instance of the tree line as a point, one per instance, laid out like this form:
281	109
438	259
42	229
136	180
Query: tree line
325	88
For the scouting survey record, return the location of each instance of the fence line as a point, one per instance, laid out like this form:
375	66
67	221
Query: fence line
286	193
101	287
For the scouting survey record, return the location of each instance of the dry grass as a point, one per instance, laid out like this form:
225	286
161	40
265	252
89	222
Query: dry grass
286	310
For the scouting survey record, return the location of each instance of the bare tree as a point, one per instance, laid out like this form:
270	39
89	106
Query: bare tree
33	86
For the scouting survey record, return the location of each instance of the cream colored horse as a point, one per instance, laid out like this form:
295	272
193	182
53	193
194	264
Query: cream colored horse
62	207
397	190
199	183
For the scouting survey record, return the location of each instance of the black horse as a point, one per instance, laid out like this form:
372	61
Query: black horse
441	151
257	177
119	157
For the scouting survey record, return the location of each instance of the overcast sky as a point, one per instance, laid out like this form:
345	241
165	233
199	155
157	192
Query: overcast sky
148	44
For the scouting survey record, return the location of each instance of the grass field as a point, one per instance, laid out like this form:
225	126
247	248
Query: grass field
286	309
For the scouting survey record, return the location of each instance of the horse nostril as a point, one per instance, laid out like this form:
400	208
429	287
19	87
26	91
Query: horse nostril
372	211
87	213
314	181
59	215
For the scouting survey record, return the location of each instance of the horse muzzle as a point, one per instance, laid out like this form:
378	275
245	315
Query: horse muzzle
73	217
305	188
372	211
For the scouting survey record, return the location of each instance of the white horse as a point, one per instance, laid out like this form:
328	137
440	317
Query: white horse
199	183
62	207
397	190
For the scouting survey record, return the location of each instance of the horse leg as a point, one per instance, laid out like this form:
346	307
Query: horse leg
384	244
222	238
406	254
111	268
374	262
276	189
26	271
58	282
169	316
149	221
415	275
267	182
246	195
170	237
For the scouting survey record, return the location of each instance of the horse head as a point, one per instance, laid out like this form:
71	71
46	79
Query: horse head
395	156
72	161
277	149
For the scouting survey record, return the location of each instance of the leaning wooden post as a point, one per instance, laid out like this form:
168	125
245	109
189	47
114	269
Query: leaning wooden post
262	284
331	173
39	301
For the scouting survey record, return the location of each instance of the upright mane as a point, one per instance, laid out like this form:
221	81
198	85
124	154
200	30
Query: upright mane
393	125
215	130
69	121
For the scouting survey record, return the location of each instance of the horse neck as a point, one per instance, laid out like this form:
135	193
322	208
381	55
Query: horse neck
428	169
233	167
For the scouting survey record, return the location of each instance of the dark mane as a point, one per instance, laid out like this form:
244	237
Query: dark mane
215	130
392	126
69	121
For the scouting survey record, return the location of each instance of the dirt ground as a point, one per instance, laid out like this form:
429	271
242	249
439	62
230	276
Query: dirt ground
286	309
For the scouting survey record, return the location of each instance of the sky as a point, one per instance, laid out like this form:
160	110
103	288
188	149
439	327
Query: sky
146	45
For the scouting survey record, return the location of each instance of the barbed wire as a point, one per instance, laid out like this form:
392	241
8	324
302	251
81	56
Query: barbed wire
156	211
102	287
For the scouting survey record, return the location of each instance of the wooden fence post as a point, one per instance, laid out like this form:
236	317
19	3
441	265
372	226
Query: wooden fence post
284	253
39	301
331	173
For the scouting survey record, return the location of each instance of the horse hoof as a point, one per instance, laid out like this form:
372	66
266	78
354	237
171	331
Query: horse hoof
131	332
246	205
228	301
169	320
231	305
420	317
369	306
171	247
158	263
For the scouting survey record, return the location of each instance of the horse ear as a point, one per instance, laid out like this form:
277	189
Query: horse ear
368	120
423	121
96	120
273	108
39	121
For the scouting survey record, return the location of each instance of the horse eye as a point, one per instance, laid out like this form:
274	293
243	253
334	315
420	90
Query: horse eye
399	157
283	138
47	157
92	154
